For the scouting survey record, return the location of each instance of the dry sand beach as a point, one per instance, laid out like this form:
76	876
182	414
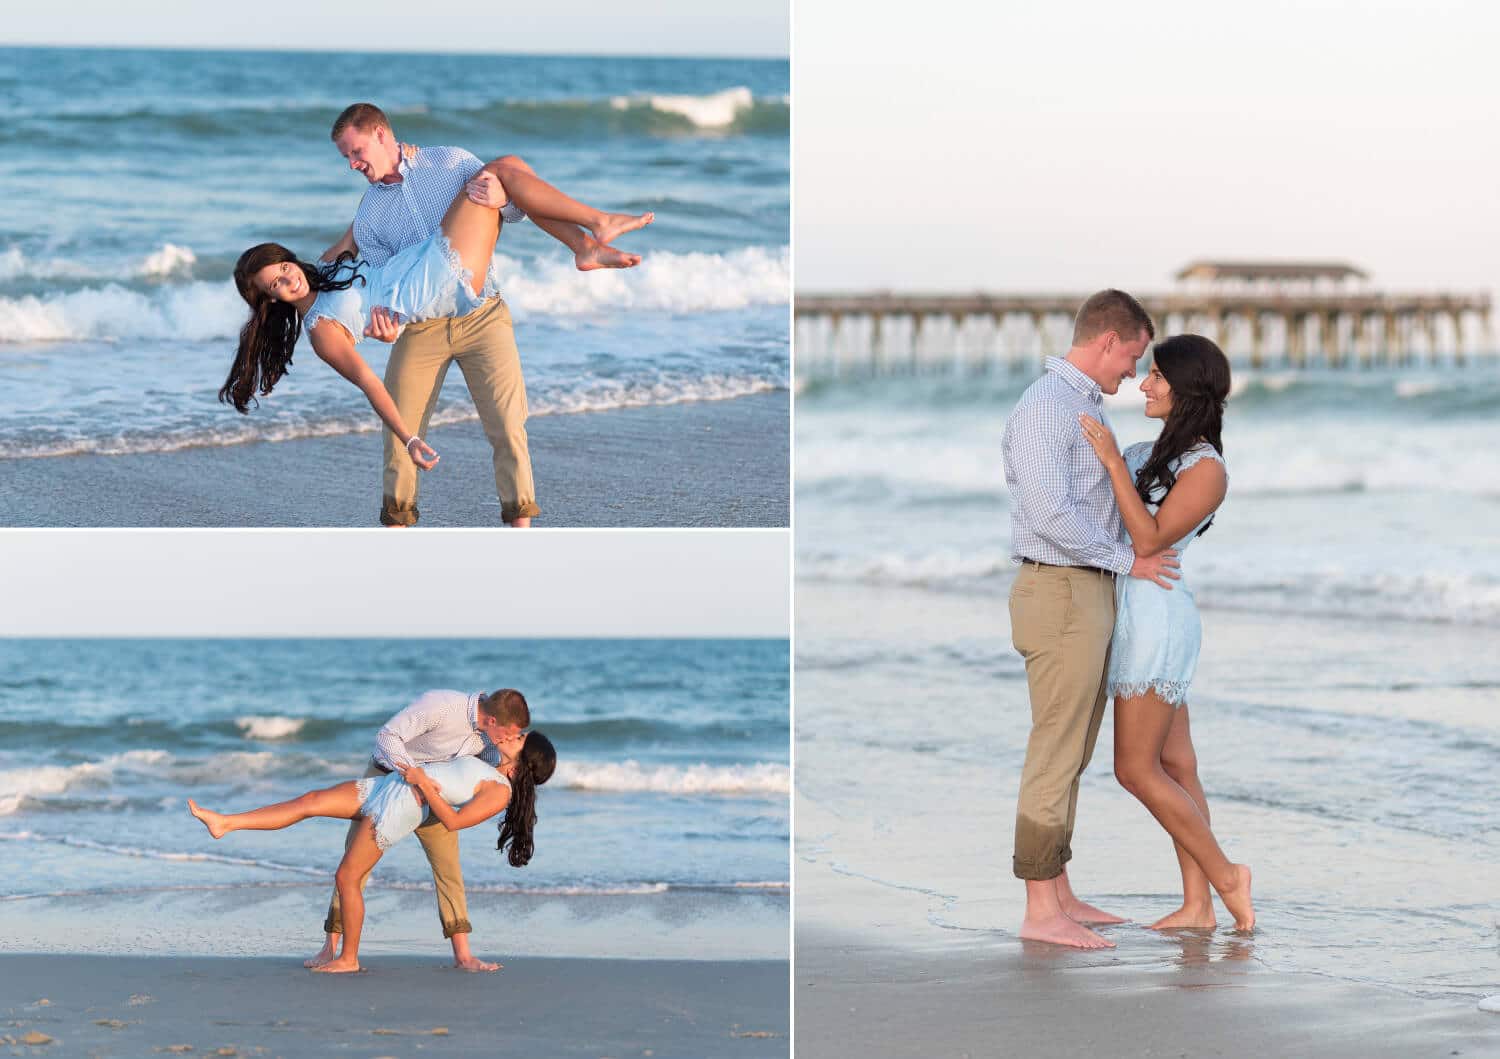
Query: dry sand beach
713	463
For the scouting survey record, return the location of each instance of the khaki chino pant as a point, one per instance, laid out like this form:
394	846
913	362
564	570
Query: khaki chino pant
1062	619
441	847
484	344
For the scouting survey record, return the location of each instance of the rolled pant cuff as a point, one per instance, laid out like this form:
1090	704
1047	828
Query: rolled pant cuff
393	513
460	926
510	511
1037	870
332	926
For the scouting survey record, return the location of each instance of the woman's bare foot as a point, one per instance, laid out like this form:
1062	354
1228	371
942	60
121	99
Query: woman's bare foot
1237	900
1083	912
475	964
1060	930
211	820
613	225
1189	917
326	954
596	254
341	965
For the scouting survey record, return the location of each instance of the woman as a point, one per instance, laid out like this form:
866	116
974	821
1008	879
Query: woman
442	276
461	793
1167	492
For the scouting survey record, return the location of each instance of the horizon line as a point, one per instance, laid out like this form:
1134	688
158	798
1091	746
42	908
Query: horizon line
541	53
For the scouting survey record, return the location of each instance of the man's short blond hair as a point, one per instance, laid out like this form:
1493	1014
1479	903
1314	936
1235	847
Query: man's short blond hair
360	116
1111	310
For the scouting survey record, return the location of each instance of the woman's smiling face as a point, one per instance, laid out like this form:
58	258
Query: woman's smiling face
283	282
1158	394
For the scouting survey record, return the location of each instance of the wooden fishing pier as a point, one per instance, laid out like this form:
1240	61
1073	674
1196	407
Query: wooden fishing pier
1262	314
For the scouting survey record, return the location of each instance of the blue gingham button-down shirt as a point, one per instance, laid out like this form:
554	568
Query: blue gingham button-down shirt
392	217
439	726
1062	510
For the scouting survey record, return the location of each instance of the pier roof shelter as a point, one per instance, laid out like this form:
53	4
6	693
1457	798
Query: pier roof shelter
1215	271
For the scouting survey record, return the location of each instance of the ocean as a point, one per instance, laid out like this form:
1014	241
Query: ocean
1344	711
663	833
138	177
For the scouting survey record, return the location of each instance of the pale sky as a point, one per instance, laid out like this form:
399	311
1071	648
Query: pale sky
751	28
1036	146
479	583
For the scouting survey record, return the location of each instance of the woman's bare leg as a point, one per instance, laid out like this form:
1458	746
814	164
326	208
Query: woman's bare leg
1141	726
544	203
1180	761
359	858
340	802
472	230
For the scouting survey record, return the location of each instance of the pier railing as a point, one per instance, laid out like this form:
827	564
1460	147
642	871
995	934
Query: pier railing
886	332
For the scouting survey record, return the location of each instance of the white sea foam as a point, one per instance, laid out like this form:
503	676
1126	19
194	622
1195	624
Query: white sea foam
166	260
1353	591
17	785
711	111
170	258
585	396
269	728
664	282
205	311
631	777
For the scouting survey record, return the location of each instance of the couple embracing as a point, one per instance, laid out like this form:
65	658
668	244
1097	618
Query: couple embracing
448	761
1098	609
415	268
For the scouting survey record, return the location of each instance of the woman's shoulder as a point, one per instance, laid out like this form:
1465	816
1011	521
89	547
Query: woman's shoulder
1136	454
1197	454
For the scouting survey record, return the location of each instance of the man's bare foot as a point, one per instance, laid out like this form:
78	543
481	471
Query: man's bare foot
339	965
211	820
1060	930
475	964
324	955
1237	900
614	225
1189	917
1083	912
596	254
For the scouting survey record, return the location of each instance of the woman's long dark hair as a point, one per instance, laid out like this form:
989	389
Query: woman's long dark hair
268	337
1198	373
533	768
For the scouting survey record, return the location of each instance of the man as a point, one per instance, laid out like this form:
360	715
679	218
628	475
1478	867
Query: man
1066	536
439	726
410	190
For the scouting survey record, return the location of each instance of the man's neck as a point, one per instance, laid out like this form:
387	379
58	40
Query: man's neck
1085	361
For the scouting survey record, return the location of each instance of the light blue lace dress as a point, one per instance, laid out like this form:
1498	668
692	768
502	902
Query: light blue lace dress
423	282
1157	632
392	803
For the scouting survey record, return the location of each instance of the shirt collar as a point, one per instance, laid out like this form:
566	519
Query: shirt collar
474	711
1071	374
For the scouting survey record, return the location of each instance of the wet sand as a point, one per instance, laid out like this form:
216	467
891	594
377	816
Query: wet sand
1009	997
399	1006
713	463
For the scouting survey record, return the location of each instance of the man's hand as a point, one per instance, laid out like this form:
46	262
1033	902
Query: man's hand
1100	439
1157	568
384	325
414	775
486	190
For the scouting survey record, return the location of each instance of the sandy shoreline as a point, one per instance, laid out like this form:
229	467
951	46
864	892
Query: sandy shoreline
127	1005
1007	997
712	463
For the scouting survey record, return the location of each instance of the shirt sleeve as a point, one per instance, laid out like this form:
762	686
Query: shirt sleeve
1041	436
390	742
